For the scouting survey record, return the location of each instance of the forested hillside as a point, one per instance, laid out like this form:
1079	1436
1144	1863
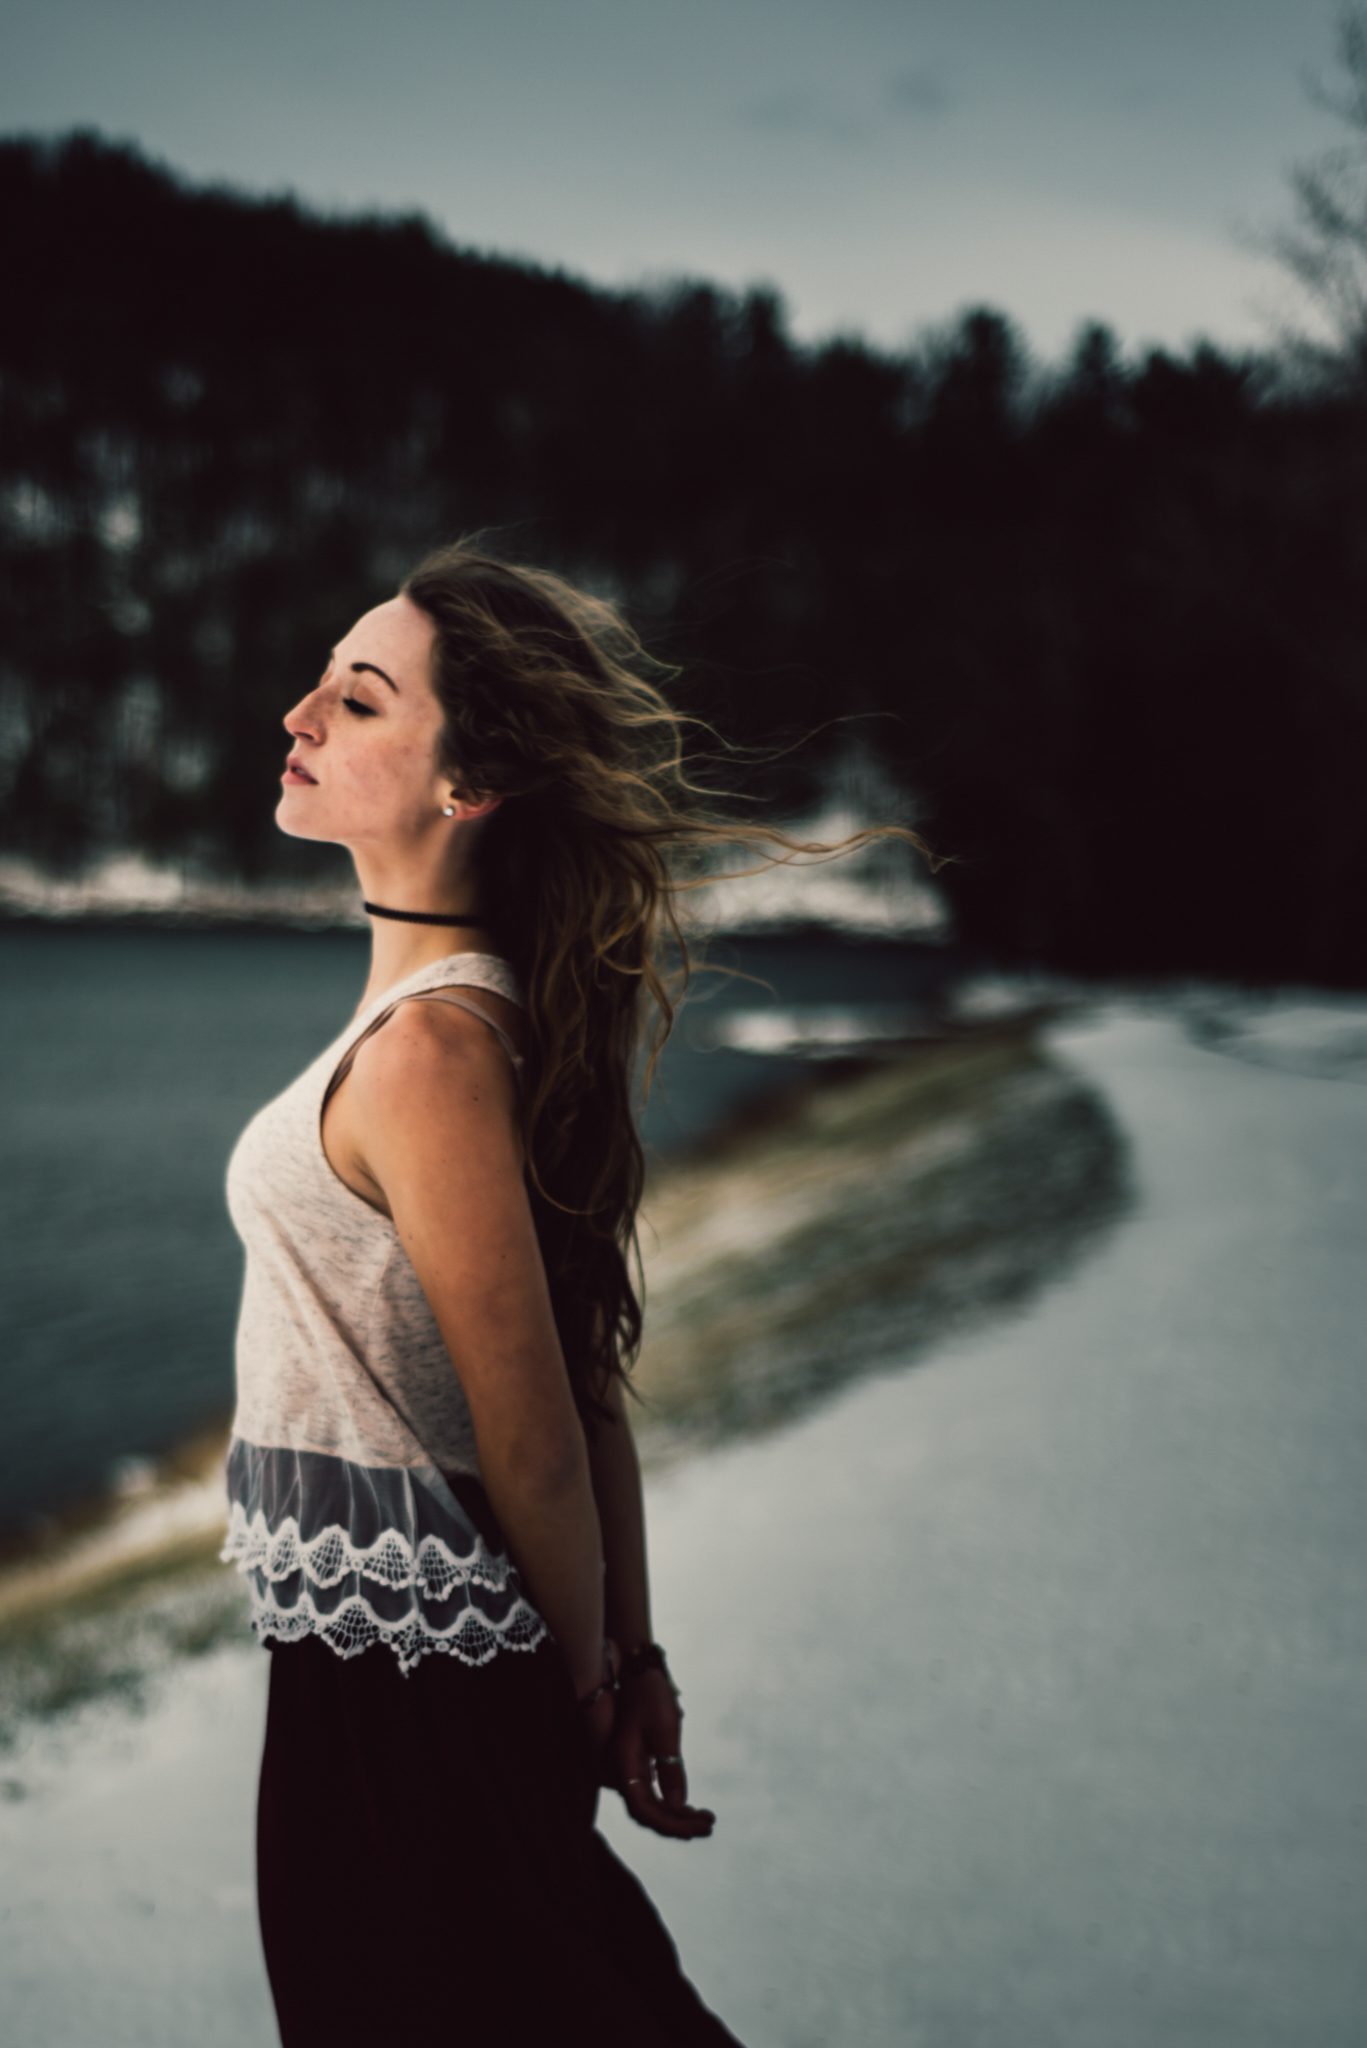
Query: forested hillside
1110	615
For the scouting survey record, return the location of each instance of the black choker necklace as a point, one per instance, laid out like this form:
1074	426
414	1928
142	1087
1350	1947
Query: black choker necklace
418	916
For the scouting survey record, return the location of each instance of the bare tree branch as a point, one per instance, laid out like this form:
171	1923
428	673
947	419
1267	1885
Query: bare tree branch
1325	249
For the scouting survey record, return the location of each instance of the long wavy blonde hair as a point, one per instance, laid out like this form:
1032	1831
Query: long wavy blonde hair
552	705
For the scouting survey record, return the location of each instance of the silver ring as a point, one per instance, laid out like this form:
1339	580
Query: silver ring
634	1781
667	1760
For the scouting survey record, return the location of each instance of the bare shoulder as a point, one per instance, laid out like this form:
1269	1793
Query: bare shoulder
433	1085
432	1054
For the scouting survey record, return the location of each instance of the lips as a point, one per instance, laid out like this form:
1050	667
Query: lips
295	771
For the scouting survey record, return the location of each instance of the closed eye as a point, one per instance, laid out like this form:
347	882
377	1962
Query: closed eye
358	709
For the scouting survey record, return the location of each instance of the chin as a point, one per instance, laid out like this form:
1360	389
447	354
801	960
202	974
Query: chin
289	820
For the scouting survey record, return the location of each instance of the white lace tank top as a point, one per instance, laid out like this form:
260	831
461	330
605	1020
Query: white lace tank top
354	1504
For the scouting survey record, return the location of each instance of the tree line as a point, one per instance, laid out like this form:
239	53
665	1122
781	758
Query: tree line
1103	618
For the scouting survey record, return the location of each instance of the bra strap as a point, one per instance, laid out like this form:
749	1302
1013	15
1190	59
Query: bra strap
458	1002
425	995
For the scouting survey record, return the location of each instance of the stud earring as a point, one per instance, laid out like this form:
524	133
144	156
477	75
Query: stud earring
448	810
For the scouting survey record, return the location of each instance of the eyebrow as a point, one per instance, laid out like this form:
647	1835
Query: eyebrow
364	668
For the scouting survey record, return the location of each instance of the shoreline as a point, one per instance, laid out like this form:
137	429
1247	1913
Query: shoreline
174	1514
128	889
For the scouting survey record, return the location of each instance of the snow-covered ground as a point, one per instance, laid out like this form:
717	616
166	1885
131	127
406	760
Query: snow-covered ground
1028	1685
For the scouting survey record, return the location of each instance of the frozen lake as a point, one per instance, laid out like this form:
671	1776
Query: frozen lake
1031	1704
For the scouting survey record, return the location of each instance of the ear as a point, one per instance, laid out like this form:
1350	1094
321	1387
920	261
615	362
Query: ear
470	805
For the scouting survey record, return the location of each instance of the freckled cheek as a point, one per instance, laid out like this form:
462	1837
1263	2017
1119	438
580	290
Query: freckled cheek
395	782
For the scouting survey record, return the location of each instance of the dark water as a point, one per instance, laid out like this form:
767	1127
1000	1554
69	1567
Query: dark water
133	1059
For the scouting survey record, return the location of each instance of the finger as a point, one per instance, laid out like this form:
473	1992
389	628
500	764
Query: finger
649	1811
631	1755
690	1824
672	1779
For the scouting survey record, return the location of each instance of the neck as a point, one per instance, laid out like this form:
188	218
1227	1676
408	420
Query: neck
398	949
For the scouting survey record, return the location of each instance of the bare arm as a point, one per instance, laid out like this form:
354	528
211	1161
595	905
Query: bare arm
616	1476
648	1727
432	1125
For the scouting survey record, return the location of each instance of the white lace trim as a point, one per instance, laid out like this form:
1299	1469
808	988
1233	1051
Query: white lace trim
473	1638
329	1557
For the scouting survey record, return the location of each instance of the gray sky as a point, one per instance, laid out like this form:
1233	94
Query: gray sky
882	162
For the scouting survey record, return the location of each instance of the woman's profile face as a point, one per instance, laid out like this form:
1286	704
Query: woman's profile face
363	766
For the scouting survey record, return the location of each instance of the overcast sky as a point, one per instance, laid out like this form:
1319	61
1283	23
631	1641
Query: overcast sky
882	162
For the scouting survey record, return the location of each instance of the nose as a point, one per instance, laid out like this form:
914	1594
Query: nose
305	721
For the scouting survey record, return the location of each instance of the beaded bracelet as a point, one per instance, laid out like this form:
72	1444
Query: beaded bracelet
640	1658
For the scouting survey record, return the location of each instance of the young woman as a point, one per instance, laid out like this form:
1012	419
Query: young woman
433	1487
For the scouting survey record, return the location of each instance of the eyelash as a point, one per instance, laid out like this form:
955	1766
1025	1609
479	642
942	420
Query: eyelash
361	710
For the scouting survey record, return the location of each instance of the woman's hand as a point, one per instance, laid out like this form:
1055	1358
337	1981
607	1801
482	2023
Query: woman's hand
645	1756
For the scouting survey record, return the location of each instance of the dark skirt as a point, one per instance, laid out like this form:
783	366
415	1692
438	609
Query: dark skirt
427	1859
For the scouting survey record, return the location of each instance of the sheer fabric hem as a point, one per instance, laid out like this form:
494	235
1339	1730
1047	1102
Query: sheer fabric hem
330	1556
356	1554
354	1626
